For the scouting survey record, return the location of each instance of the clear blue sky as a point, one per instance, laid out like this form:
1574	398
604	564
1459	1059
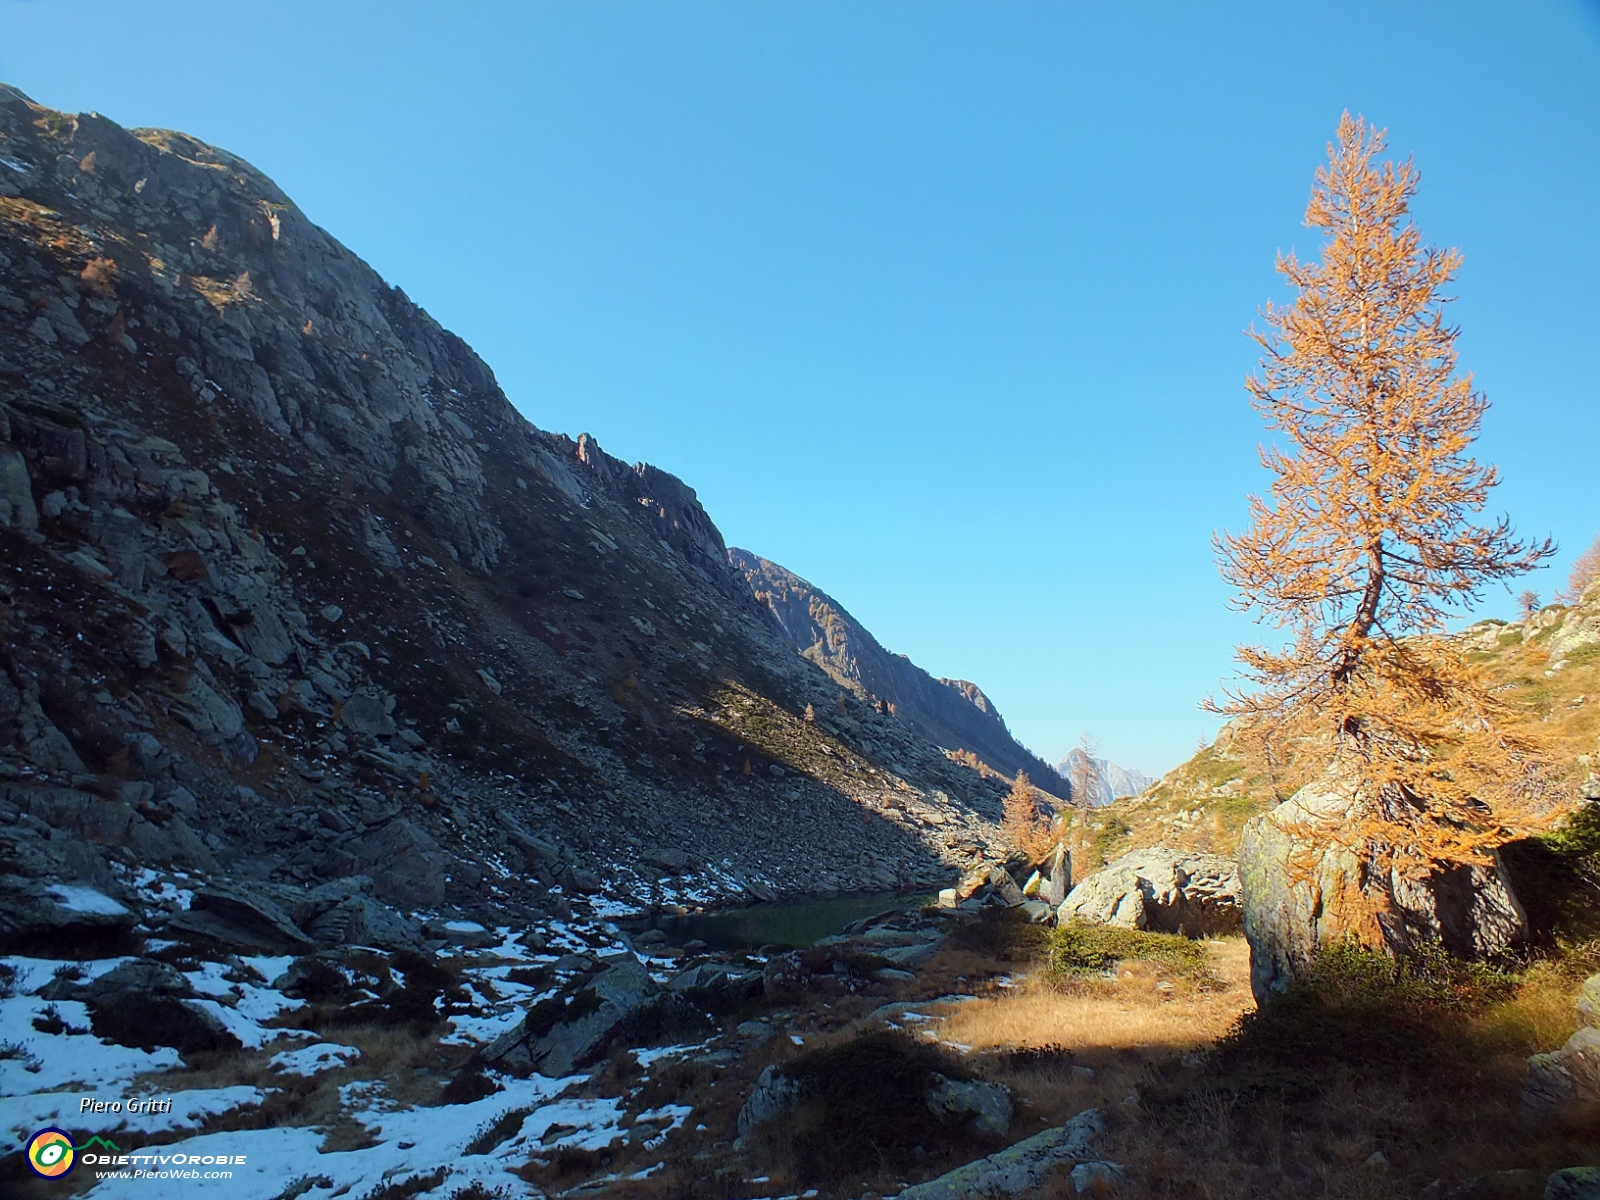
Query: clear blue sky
939	305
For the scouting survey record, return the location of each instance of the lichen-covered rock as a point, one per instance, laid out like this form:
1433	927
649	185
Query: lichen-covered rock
1163	890
1565	1082
1302	891
1016	1169
1574	1183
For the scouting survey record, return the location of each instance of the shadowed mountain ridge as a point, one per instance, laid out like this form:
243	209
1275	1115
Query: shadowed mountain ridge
952	712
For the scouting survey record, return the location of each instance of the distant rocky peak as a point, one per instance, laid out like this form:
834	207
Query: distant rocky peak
1108	781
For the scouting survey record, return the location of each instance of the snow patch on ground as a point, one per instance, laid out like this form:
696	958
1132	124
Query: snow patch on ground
244	1008
647	1057
411	1143
76	898
47	1062
251	1035
31	974
314	1059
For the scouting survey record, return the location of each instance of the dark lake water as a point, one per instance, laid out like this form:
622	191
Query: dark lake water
785	923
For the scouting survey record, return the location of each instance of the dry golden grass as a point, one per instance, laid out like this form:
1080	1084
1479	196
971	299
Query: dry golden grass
1127	1013
1538	1016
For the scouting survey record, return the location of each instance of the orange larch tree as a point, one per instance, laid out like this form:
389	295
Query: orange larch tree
1585	570
1025	829
1368	539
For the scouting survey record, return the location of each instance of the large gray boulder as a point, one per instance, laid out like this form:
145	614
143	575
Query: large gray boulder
1302	891
987	1104
406	865
772	1096
17	510
1574	1183
1162	890
716	985
1565	1082
567	1032
367	712
1058	880
146	1003
343	912
241	916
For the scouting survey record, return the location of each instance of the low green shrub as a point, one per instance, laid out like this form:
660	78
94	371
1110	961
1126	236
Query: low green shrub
1556	878
1078	948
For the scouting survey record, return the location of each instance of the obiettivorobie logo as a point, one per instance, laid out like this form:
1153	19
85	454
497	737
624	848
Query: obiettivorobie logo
51	1153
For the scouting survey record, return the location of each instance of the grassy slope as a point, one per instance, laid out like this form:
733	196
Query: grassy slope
1204	803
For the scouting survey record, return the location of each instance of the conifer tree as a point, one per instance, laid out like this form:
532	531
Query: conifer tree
1024	828
1584	572
1086	780
1368	539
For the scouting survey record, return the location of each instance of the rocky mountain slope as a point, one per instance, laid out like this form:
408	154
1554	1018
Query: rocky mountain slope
1109	781
290	592
952	712
1547	666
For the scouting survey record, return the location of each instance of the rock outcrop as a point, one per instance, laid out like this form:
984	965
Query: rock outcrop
1161	890
1303	891
952	712
570	1031
1573	1183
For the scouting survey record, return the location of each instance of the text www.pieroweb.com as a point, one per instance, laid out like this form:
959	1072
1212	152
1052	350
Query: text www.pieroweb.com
162	1166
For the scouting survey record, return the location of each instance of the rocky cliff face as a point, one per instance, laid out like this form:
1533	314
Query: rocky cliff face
288	590
952	712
